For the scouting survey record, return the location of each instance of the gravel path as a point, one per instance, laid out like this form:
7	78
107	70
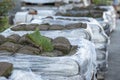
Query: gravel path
114	55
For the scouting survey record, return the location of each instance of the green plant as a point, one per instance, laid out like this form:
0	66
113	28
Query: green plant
106	2
5	6
4	23
40	40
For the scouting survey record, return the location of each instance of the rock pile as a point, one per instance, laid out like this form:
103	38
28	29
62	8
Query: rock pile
45	27
15	44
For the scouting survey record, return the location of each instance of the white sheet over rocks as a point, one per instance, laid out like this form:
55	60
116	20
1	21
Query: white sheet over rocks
49	1
76	67
99	35
112	13
99	38
39	1
85	2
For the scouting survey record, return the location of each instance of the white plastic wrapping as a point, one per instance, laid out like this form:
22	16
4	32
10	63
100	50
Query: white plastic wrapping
24	75
97	30
99	37
85	2
62	67
3	78
50	1
110	16
39	1
94	29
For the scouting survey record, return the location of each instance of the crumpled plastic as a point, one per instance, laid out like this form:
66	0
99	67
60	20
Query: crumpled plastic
24	75
50	1
85	58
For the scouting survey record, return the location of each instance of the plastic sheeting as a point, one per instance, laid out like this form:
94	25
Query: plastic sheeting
85	2
97	30
82	64
39	1
24	75
50	1
93	28
75	33
99	37
110	16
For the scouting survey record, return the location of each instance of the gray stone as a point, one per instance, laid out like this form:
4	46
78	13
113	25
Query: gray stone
5	69
62	44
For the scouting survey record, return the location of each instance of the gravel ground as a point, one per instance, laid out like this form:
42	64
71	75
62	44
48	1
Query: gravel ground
114	55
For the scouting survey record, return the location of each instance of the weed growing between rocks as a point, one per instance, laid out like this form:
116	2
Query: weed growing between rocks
41	41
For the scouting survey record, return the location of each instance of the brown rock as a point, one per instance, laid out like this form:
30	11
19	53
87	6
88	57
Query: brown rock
73	50
2	39
62	44
30	27
54	53
43	27
13	38
24	40
56	27
73	26
5	69
84	25
29	50
10	47
19	27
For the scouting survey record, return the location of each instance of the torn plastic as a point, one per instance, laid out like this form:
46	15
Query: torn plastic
75	67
